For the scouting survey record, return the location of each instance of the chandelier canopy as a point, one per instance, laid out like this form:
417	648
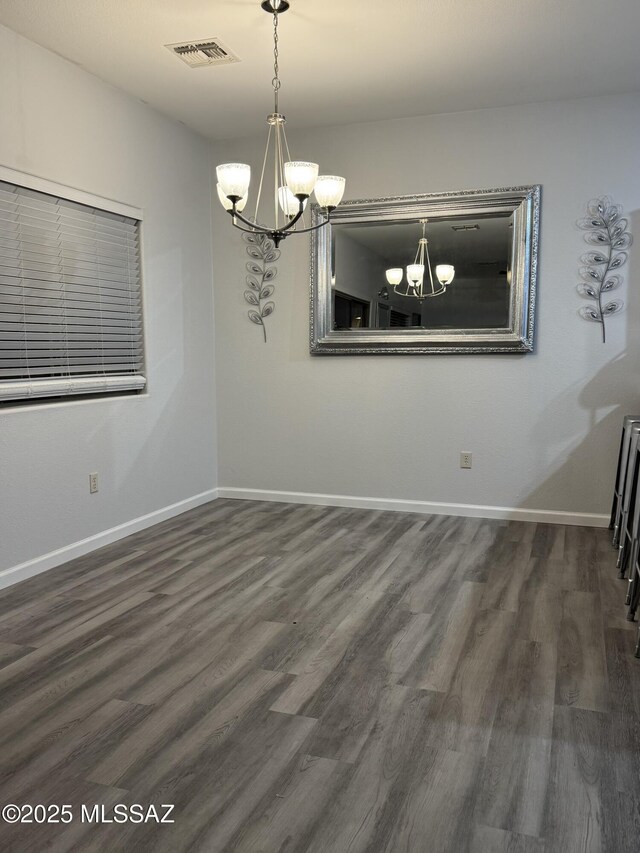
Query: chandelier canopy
415	284
294	180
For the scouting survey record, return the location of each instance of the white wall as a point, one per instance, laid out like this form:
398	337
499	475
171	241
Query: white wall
60	123
543	428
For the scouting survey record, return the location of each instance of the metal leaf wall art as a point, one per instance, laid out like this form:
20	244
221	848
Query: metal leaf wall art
606	230
263	254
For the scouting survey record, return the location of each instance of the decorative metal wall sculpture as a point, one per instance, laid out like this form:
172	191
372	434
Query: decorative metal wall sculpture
608	231
263	254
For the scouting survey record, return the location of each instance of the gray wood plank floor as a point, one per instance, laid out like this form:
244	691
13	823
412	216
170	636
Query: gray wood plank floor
302	678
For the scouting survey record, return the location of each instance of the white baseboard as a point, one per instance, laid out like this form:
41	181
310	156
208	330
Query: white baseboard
582	519
84	546
106	537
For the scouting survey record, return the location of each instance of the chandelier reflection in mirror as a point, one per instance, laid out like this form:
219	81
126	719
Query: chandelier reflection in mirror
415	283
294	180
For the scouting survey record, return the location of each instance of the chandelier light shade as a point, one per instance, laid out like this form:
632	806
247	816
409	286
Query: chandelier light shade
224	201
301	178
329	190
288	202
445	273
294	180
234	179
415	284
415	274
394	276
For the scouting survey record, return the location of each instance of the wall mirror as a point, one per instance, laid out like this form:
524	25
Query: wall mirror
445	273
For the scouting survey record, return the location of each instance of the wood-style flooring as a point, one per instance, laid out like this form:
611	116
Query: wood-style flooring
303	678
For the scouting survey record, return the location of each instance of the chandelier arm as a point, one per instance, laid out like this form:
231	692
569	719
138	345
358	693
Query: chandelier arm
286	152
264	166
286	144
280	161
315	227
261	229
429	265
276	178
293	220
253	227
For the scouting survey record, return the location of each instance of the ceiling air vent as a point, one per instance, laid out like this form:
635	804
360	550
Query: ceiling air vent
199	54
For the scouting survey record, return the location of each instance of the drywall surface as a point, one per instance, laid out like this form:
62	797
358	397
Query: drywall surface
543	428
62	124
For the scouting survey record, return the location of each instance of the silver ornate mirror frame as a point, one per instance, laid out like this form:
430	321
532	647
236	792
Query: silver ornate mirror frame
517	338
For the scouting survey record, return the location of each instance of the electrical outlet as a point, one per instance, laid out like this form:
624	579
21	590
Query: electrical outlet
93	483
465	460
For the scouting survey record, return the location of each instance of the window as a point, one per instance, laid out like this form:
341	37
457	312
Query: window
349	312
398	318
70	293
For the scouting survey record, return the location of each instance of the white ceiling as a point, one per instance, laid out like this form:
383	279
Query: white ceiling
344	61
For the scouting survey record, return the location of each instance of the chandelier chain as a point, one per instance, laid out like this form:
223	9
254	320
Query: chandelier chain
276	68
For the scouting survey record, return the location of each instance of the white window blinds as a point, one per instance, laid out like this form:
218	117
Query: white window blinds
70	297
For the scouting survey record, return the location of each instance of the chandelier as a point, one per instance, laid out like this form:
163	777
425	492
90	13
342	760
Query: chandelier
415	284
294	180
